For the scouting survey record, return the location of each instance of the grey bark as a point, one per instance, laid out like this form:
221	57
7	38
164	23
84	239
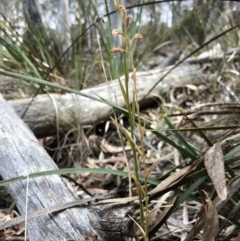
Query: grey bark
63	26
32	12
21	154
115	22
176	9
87	22
51	113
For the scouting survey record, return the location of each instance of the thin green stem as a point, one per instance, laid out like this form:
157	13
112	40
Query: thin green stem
138	153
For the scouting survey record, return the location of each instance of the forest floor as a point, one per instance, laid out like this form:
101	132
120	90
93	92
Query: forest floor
207	105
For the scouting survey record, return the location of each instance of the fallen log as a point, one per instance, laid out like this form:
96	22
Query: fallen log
51	113
21	155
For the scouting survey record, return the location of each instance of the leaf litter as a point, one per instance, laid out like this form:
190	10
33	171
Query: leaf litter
98	146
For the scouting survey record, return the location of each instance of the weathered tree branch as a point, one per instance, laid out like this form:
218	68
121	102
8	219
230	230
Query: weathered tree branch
49	113
21	154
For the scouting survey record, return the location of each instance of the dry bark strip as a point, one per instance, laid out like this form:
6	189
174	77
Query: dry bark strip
21	154
49	113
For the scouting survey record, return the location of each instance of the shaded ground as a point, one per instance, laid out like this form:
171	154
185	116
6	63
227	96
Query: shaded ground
214	103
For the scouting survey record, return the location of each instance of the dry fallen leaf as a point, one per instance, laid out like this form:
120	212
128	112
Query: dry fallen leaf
175	177
155	218
211	226
123	200
171	180
214	163
106	147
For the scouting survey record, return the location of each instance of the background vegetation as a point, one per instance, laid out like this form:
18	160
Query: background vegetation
64	42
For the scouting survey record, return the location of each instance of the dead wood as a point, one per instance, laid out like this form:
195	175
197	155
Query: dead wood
21	154
52	112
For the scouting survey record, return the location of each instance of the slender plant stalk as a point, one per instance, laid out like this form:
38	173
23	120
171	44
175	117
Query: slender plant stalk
138	153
